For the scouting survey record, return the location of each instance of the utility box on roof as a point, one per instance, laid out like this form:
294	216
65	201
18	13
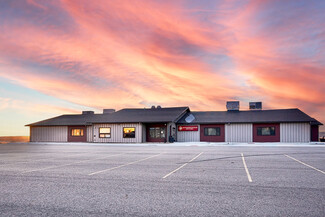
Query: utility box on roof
233	105
255	105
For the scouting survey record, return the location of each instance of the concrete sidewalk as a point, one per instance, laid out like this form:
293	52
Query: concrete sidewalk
271	144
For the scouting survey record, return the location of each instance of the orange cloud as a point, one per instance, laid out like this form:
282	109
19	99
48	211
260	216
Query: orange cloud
118	54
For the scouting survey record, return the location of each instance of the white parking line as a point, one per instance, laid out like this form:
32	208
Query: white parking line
304	164
113	168
44	159
182	166
63	165
246	169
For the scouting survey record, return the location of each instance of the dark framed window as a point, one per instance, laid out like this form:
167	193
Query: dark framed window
129	132
266	131
77	132
104	132
157	132
212	131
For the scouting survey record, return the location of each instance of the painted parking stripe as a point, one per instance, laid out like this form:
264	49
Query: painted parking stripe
182	166
44	159
63	165
113	168
307	165
246	169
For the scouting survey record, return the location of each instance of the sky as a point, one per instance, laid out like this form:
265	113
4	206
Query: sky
64	56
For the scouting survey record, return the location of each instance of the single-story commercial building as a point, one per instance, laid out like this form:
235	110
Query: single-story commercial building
179	124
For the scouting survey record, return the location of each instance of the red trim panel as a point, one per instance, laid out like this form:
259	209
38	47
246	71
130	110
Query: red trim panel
77	138
314	133
220	138
273	138
150	139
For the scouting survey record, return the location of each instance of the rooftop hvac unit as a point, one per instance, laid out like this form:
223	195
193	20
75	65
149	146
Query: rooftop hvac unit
88	112
233	105
108	111
255	105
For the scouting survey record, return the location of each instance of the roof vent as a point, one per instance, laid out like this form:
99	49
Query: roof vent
190	118
255	105
233	105
153	107
158	107
108	111
88	112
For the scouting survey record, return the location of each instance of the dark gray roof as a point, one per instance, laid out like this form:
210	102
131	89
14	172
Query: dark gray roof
67	120
144	115
252	116
122	116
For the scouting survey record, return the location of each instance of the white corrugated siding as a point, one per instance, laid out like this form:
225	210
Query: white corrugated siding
49	134
90	134
239	132
117	133
295	132
188	136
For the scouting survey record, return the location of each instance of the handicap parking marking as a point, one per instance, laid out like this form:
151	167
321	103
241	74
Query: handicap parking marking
307	165
182	166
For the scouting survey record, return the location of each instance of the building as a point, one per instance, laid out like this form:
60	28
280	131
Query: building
179	124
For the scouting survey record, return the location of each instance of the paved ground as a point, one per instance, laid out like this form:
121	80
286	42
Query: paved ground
74	180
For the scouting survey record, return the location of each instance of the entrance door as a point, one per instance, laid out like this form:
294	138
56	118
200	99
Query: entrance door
156	133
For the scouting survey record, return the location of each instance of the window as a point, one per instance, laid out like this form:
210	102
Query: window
212	131
129	132
77	132
266	131
157	132
104	132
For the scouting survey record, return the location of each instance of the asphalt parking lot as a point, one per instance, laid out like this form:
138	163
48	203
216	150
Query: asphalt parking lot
82	180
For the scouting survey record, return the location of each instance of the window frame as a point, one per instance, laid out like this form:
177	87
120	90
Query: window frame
218	131
124	134
259	131
99	133
81	132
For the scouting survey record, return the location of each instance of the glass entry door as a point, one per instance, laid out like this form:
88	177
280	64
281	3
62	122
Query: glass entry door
156	133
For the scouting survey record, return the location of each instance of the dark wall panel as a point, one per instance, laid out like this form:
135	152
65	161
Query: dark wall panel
314	136
220	138
272	138
77	138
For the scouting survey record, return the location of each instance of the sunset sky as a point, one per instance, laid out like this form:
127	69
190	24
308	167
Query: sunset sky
65	56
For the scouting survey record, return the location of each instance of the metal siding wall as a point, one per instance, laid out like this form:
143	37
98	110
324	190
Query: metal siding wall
239	132
295	132
117	133
49	134
188	136
90	134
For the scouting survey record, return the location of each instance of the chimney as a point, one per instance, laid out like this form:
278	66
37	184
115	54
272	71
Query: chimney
232	105
88	112
108	111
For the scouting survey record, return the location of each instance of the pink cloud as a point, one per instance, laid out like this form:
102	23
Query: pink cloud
124	55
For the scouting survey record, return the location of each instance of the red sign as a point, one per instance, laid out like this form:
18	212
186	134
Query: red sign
188	128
